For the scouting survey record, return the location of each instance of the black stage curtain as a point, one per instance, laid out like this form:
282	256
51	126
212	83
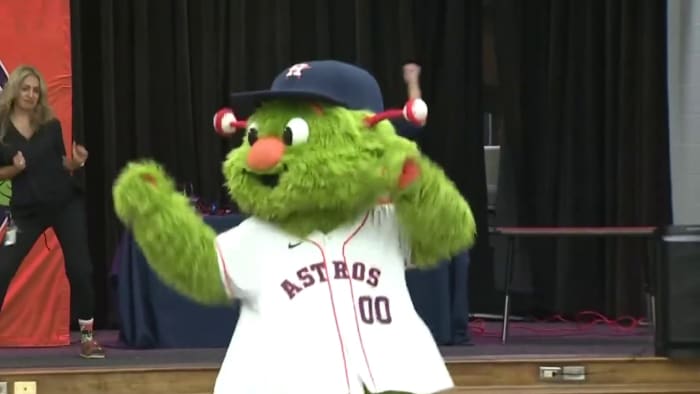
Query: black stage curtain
149	75
583	94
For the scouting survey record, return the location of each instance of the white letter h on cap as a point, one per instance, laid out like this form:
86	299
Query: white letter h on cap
295	70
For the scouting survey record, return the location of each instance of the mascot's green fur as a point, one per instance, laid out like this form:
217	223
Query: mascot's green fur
337	171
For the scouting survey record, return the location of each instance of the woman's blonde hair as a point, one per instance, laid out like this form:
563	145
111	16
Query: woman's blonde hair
10	92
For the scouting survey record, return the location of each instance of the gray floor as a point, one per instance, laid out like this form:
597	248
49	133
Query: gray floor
527	340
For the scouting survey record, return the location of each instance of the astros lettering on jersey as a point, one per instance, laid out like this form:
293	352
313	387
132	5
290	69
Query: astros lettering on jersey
336	304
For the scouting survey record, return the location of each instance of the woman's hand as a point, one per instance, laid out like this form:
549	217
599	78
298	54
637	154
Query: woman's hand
411	73
18	161
80	154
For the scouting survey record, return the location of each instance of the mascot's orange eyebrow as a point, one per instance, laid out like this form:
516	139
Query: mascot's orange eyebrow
317	108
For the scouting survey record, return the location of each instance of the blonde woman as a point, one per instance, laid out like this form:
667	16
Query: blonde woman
33	156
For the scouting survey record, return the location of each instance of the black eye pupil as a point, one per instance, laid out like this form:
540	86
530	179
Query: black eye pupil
252	135
287	136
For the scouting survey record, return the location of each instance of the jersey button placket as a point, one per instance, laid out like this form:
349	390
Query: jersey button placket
322	243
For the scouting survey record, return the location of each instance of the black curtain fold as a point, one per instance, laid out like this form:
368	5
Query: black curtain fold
149	75
583	89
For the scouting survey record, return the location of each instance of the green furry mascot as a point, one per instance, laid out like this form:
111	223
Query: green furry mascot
339	207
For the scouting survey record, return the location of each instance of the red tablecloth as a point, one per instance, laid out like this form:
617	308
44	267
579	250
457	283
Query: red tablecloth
36	311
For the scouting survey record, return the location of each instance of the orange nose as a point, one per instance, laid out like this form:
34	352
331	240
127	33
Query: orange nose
265	153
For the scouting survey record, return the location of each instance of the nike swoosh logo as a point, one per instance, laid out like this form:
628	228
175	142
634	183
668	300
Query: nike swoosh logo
292	246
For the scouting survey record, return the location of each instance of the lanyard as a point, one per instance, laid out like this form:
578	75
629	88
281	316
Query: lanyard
11	230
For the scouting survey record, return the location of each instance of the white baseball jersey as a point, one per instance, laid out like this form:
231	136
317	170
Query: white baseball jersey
326	314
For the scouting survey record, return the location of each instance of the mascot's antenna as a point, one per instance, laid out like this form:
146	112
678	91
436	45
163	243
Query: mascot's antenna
225	122
415	111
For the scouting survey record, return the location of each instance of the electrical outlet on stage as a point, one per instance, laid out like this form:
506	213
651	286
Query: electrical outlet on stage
25	388
574	373
550	373
569	373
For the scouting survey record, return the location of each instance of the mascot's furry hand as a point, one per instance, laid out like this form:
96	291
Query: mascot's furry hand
139	190
400	164
176	242
428	204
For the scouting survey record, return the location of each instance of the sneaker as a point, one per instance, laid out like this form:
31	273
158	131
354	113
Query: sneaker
91	349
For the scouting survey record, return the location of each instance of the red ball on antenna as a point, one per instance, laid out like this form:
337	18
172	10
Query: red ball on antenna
225	122
416	111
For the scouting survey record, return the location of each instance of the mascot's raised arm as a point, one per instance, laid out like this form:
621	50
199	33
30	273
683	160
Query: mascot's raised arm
338	207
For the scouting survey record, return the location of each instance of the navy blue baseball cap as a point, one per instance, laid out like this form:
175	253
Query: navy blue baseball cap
328	81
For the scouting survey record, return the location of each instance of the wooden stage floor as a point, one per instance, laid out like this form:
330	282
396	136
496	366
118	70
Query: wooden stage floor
614	361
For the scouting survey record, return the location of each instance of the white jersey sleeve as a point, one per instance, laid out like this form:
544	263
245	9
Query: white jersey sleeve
385	217
232	250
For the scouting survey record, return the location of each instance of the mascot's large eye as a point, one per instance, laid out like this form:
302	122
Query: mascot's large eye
296	132
252	133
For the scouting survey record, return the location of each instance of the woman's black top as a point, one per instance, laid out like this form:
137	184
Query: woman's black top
44	183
